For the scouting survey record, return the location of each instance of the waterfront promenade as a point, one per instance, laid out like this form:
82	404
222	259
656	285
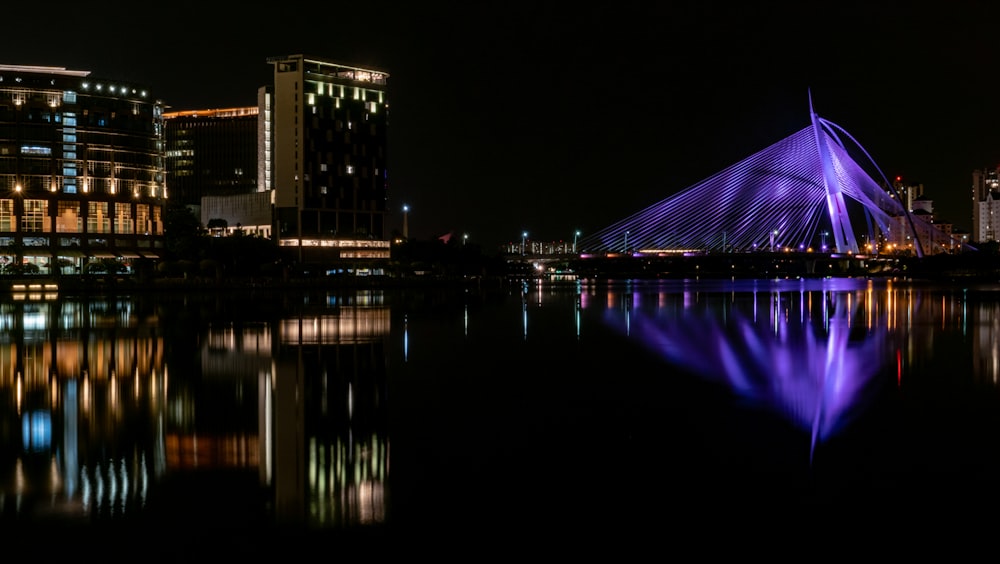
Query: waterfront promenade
971	266
962	266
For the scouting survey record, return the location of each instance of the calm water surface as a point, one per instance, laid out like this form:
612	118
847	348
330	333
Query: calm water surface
562	419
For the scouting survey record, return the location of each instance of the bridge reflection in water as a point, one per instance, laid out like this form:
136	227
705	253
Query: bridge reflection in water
810	350
509	408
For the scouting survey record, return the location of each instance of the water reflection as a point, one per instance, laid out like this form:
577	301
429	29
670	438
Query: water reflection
109	407
814	351
100	407
329	395
83	387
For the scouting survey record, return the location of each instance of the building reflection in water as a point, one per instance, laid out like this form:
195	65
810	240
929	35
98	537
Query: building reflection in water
986	346
299	399
93	420
83	386
101	401
329	393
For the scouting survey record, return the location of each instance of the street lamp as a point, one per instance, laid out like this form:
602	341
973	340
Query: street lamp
626	241
773	235
575	237
524	235
824	234
465	239
406	227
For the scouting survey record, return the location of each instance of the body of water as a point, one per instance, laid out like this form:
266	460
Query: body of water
558	419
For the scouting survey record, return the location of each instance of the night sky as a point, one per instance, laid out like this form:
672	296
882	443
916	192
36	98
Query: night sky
549	118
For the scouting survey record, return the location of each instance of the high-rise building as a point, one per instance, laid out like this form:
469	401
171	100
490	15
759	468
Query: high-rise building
986	205
935	235
319	135
210	153
324	144
908	192
81	170
213	168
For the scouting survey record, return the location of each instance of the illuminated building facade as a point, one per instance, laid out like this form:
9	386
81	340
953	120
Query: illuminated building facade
986	205
81	171
214	170
908	193
210	153
307	167
323	140
935	237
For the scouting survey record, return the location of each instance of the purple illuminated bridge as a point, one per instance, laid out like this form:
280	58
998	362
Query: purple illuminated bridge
789	195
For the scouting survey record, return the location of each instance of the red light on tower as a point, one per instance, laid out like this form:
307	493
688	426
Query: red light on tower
898	178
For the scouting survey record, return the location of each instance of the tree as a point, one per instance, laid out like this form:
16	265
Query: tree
182	232
217	226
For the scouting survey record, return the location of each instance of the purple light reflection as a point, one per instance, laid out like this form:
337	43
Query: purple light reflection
809	358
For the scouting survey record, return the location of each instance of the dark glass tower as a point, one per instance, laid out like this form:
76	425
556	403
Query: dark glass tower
211	153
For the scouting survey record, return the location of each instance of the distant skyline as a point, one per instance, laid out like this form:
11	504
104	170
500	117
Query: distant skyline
550	118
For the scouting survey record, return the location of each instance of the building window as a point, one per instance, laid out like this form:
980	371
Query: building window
8	221
142	219
69	219
35	215
123	219
98	220
157	224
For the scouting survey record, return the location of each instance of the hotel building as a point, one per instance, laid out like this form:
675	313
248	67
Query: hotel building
81	171
323	136
316	181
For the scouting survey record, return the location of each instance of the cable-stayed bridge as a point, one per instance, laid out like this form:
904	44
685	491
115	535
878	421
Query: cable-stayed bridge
792	195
